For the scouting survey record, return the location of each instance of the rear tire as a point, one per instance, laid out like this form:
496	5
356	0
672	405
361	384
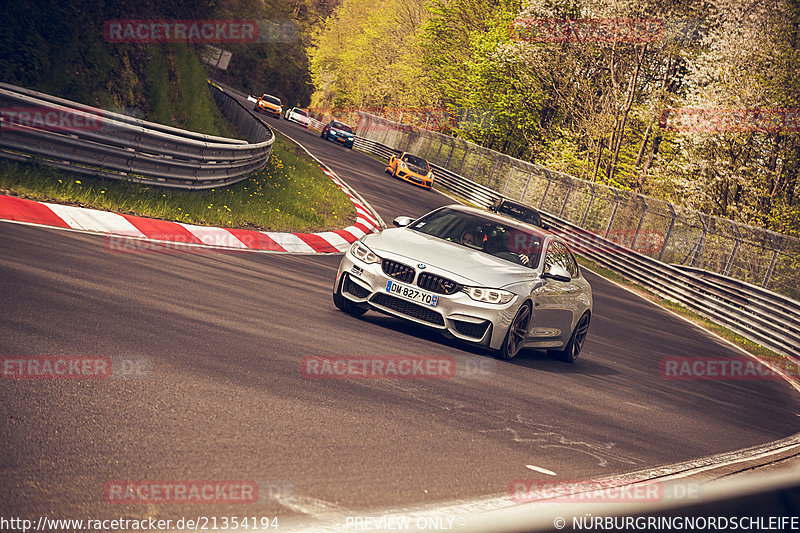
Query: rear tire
343	304
573	348
517	332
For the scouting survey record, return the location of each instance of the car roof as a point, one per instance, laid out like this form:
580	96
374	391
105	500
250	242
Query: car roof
509	221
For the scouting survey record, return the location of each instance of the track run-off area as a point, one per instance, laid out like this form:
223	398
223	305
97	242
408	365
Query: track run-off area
217	339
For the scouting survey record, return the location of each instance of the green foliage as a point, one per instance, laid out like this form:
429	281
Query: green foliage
591	108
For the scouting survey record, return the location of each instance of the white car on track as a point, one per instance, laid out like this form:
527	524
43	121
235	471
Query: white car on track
298	115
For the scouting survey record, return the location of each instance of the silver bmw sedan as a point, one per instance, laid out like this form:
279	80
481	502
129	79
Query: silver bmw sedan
477	276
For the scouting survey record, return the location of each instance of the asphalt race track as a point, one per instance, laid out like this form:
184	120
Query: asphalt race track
219	338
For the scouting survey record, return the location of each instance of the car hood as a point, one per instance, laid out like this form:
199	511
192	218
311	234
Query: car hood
416	169
461	264
342	133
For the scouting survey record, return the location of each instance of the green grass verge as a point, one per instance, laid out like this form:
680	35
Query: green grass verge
290	194
751	347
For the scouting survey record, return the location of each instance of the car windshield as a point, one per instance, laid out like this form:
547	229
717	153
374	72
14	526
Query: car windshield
520	212
271	99
416	161
301	112
341	126
511	242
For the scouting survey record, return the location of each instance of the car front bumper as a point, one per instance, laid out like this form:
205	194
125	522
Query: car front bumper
414	178
456	314
339	139
270	111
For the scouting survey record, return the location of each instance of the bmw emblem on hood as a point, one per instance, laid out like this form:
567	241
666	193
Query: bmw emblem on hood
422	266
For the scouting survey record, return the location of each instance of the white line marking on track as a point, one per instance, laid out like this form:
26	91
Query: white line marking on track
541	470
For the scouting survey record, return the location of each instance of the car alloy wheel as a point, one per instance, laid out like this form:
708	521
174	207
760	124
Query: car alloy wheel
517	332
573	348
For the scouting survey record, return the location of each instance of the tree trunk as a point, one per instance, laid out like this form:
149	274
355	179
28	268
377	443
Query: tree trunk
628	104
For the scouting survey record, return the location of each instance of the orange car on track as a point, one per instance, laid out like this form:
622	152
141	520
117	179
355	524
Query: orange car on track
412	169
269	104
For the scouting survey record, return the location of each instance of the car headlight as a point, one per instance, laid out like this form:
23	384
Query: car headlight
360	251
403	166
490	296
430	175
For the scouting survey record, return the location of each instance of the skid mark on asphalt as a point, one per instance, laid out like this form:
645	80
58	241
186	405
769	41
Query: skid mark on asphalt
521	430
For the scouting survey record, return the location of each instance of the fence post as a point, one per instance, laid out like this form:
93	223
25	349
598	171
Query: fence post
699	251
508	179
641	221
439	151
729	262
461	166
450	156
491	174
772	262
669	232
588	207
546	190
525	189
385	129
478	165
566	199
613	214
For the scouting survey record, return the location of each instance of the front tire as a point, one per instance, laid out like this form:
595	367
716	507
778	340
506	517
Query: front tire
343	304
517	332
573	348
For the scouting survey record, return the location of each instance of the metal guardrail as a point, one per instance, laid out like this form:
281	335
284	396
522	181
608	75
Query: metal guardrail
682	235
764	317
80	138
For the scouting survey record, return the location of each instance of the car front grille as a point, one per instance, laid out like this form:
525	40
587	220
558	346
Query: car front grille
471	329
408	308
438	284
353	288
398	270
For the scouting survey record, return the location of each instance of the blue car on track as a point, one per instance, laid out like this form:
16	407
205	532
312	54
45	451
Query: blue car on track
338	132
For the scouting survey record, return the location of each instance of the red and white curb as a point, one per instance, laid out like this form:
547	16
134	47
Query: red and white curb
124	230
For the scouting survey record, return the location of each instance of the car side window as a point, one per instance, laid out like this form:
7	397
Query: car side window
573	265
557	254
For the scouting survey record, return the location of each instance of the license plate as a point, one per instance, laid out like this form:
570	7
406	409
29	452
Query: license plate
412	294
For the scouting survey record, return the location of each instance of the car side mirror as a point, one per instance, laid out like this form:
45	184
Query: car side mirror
557	273
402	222
545	226
391	159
